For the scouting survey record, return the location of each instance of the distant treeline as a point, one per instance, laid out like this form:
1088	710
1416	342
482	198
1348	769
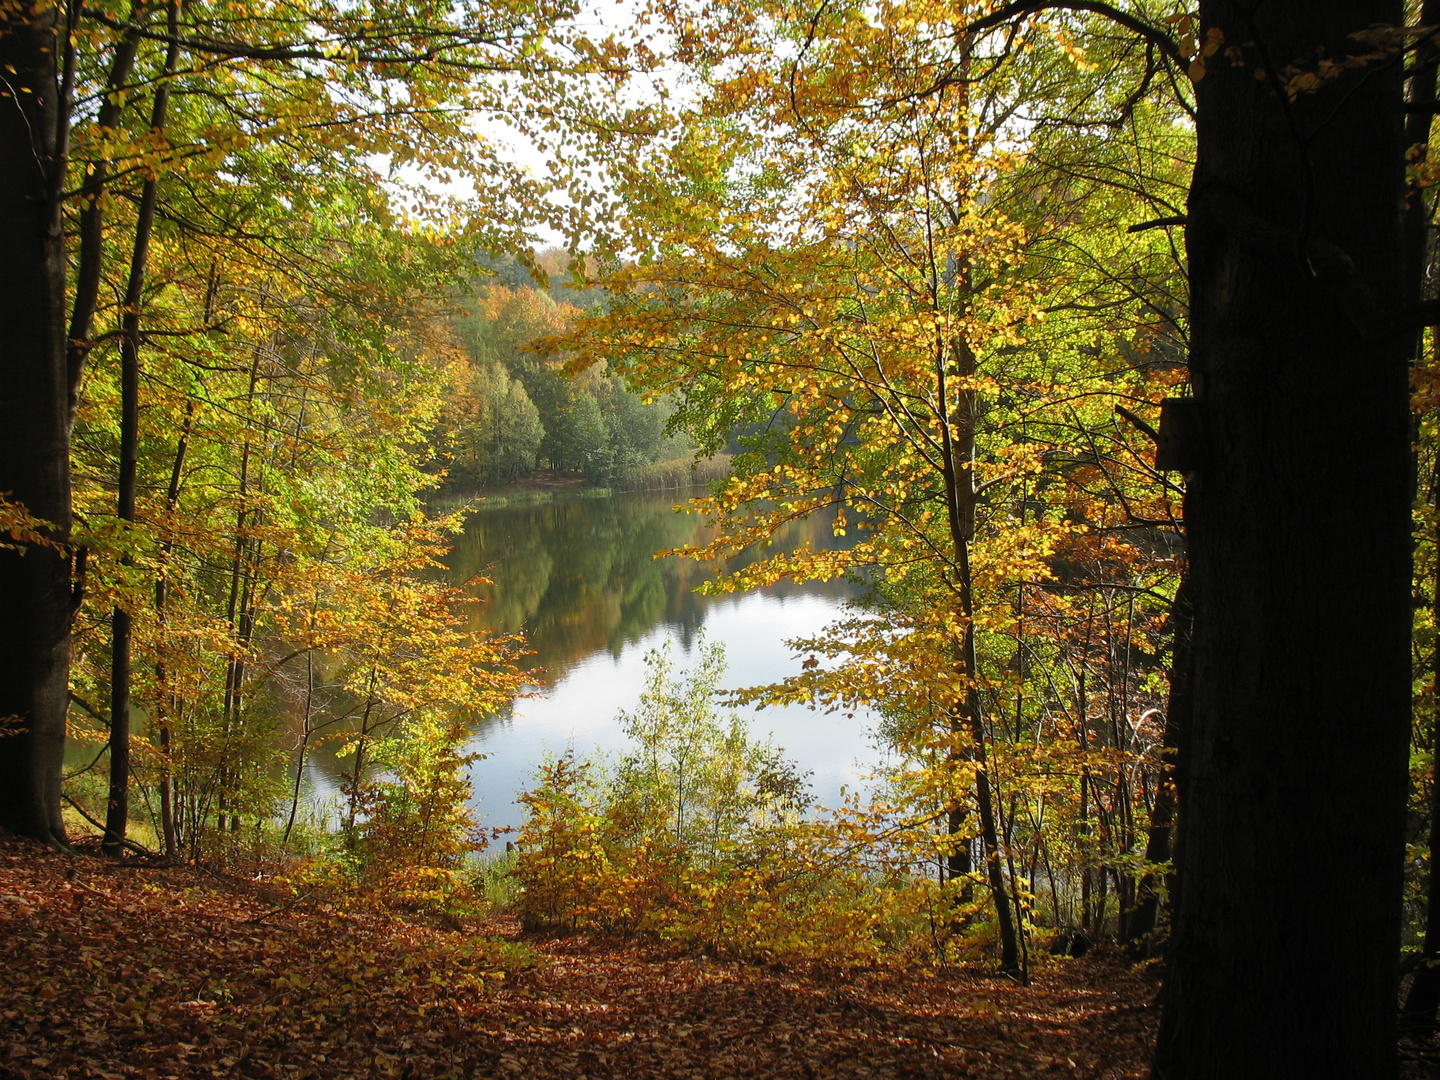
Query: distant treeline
512	411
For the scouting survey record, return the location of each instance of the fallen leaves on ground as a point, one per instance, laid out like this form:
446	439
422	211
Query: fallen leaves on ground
114	970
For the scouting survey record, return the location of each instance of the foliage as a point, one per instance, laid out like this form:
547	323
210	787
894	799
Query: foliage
260	247
857	272
513	410
280	576
701	836
905	275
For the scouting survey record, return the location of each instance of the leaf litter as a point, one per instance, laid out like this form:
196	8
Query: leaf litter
119	970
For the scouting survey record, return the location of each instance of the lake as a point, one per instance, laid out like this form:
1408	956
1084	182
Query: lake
579	576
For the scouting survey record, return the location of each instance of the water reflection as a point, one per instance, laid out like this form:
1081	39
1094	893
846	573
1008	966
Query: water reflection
580	578
579	575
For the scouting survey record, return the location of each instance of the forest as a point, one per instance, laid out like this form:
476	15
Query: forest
1098	337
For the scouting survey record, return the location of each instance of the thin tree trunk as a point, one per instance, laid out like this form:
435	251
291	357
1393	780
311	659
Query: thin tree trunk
91	256
121	621
236	605
162	709
1007	831
360	748
959	477
304	745
164	700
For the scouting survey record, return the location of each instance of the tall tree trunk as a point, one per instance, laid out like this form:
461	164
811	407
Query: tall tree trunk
91	258
238	603
1287	934
303	750
162	595
357	776
121	621
1082	732
957	412
1158	848
36	596
1423	999
164	700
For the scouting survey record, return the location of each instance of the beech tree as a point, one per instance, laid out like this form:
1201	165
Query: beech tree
402	80
1293	749
36	589
1298	512
841	265
1294	439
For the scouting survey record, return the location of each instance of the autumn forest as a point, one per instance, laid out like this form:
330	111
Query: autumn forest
1091	344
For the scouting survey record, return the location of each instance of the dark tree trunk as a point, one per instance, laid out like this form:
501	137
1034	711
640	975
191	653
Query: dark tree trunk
117	815
1424	997
1158	847
36	601
1284	961
92	215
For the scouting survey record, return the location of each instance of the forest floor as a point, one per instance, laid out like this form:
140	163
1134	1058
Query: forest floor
122	970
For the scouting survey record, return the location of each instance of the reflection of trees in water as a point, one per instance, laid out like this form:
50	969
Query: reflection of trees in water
579	576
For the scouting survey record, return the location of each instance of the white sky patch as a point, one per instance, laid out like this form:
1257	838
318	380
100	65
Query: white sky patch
510	145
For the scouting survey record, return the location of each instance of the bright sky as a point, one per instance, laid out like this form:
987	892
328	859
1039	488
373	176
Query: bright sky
599	19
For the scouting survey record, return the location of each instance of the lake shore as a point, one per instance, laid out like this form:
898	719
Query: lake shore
681	474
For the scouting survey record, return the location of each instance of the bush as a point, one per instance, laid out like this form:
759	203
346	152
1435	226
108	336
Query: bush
700	836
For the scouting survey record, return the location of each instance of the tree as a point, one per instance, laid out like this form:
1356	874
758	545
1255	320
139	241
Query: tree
492	423
1292	806
36	589
401	81
835	270
947	281
1300	597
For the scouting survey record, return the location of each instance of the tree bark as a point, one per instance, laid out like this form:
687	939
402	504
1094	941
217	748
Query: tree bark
1287	933
117	813
1423	1000
1158	847
957	412
35	587
92	213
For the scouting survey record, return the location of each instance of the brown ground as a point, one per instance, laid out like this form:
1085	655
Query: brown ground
123	971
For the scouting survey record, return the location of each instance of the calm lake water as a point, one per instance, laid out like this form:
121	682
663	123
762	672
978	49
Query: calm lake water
579	576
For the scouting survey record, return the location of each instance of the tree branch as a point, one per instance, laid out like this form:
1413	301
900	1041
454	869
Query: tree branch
1159	223
1141	424
1153	34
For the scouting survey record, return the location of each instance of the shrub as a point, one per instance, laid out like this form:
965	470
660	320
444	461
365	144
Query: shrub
699	835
